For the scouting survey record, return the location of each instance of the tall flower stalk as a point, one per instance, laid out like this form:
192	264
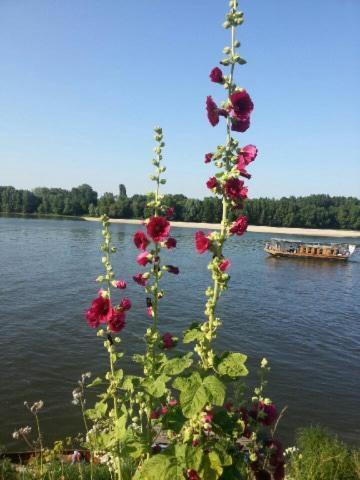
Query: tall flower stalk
230	161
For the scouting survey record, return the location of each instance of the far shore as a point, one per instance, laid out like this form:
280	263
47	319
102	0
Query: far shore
312	232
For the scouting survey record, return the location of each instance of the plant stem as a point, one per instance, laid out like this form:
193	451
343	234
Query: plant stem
40	442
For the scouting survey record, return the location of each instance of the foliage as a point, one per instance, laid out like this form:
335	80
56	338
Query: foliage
321	456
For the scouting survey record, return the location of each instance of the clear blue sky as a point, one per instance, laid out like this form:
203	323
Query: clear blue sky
82	83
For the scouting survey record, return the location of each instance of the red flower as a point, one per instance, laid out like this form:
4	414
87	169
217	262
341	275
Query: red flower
125	304
241	103
140	239
248	154
168	340
143	258
139	279
120	284
192	475
241	166
212	183
172	269
208	157
173	402
155	414
169	212
202	243
170	243
240	123
117	321
212	111
224	265
164	410
240	226
99	312
216	75
234	189
158	228
268	413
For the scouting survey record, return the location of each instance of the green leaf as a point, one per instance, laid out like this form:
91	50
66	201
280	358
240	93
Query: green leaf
138	358
156	388
215	390
130	382
97	412
194	333
169	465
232	365
134	445
177	365
193	395
95	382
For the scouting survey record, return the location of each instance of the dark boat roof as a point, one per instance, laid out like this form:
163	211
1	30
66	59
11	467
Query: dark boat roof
301	242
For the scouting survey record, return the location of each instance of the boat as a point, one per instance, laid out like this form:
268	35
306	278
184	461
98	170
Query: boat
279	247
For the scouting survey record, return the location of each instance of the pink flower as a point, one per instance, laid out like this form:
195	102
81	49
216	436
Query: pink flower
149	311
117	321
164	410
144	258
239	226
172	269
120	284
158	228
125	304
168	340
234	189
208	157
139	279
99	312
169	212
248	154
212	111
212	183
140	239
173	402
241	103
170	243
216	75
202	243
224	265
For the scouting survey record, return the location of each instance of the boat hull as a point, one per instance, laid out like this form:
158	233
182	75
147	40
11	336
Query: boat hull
274	253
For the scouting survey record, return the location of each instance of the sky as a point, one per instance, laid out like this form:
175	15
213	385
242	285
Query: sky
83	83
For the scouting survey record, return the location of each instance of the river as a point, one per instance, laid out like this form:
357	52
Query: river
303	316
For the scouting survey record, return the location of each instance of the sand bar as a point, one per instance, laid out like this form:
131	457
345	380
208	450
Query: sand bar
313	232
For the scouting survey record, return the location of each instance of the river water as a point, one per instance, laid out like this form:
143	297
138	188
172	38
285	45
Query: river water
304	316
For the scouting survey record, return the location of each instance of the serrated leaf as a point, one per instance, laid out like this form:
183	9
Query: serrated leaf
169	465
215	390
156	388
232	365
193	395
194	333
177	365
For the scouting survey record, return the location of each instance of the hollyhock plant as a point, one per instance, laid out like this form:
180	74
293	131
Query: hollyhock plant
121	284
225	265
100	311
212	111
208	157
234	189
168	340
144	258
240	123
202	242
140	279
239	226
241	103
117	321
158	228
216	75
125	304
141	241
212	183
170	243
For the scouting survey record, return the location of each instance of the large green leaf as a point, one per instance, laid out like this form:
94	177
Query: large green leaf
194	333
215	390
169	465
232	365
193	395
177	365
156	388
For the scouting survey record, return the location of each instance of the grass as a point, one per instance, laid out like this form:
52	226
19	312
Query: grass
322	456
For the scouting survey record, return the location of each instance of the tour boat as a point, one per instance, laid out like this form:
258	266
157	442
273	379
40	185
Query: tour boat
297	249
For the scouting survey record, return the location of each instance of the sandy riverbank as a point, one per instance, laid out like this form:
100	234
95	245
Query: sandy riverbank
313	232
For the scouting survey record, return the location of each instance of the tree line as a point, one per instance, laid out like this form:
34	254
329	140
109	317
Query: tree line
313	211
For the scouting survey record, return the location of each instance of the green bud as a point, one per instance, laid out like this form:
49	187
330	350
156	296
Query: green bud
113	249
163	181
225	62
237	44
227	50
158	130
226	24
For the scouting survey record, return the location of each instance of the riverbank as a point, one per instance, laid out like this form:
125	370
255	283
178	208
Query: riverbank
312	232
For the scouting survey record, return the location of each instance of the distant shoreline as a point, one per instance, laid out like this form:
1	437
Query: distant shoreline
313	232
